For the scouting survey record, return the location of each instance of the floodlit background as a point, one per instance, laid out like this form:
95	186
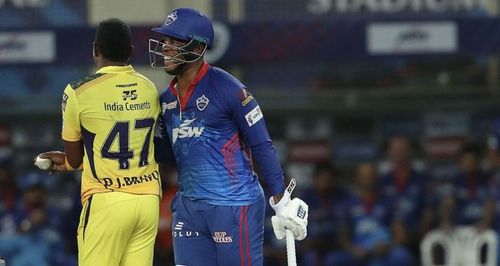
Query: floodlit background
384	111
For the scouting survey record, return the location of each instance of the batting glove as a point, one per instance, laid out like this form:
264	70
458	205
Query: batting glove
290	214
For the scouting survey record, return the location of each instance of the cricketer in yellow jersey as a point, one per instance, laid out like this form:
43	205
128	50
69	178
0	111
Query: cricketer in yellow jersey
108	127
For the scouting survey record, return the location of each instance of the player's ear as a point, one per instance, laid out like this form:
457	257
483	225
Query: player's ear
95	51
131	50
199	48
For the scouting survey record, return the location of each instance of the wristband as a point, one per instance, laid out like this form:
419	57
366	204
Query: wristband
69	167
279	206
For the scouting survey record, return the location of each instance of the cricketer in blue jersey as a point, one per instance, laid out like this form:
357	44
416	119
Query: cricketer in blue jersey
215	127
365	227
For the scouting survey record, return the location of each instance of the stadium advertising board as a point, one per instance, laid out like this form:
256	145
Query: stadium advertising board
439	124
352	149
443	148
310	9
309	151
384	38
279	41
393	6
20	14
24	3
27	47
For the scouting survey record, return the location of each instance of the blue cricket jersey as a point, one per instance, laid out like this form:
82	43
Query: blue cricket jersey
369	221
213	131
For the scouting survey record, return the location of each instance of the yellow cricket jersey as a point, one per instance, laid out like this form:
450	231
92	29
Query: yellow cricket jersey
114	111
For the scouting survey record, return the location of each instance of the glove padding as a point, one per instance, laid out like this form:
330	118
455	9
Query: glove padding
290	214
293	217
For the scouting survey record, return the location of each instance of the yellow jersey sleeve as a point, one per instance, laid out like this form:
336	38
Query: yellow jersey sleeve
70	115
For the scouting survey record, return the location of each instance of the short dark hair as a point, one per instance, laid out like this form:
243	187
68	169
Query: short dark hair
113	38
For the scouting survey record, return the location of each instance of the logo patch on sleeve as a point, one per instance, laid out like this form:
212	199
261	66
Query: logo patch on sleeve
254	116
245	97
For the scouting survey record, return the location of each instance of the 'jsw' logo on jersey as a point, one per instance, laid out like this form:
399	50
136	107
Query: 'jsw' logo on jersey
185	131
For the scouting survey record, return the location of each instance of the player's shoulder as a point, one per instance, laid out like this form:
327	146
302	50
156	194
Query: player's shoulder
167	94
80	83
144	78
229	86
225	80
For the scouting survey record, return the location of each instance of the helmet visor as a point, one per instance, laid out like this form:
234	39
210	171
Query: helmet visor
185	54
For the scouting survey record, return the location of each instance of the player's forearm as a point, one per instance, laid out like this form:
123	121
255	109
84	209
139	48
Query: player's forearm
270	167
74	153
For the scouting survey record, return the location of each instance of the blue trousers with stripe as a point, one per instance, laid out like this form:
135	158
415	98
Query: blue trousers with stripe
205	234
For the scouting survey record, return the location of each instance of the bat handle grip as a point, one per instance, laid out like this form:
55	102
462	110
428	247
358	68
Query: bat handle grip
290	248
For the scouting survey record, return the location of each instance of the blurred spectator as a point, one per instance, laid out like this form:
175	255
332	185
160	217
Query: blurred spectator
365	233
494	159
408	189
34	210
325	199
9	195
65	198
38	241
471	199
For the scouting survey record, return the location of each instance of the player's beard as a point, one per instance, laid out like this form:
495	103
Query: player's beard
179	69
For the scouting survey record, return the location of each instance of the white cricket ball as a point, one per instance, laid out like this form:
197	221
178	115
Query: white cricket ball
42	163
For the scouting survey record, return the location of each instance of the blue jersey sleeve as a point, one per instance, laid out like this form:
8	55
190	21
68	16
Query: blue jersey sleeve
162	147
250	120
269	166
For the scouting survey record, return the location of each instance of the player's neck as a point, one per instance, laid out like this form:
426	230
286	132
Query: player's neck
104	63
186	78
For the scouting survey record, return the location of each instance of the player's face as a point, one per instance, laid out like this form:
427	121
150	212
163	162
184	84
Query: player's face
172	54
399	149
366	175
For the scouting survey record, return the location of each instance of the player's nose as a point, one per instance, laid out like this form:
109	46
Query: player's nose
168	49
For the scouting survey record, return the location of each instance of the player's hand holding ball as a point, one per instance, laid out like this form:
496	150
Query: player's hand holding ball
53	161
290	214
43	163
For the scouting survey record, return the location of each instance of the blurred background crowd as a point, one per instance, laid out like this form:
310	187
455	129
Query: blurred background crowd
386	112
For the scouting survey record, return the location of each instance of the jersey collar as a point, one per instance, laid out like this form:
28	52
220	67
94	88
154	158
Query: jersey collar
115	69
201	74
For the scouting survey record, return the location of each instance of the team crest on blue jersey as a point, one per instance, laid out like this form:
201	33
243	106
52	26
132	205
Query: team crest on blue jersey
170	18
202	102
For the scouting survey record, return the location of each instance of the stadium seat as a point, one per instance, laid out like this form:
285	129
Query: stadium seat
462	247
